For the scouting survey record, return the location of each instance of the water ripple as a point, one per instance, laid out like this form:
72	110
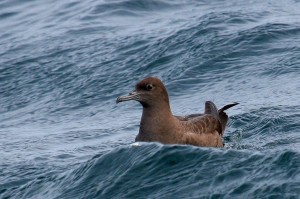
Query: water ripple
63	63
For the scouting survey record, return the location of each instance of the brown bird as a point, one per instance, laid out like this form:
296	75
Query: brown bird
158	124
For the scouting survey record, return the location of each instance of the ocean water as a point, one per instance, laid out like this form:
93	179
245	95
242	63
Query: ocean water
63	63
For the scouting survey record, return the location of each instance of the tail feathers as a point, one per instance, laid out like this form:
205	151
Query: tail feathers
223	116
228	106
210	108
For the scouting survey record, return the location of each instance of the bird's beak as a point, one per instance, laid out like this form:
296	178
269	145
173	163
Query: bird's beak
134	95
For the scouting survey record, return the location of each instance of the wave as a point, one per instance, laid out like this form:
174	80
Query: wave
154	170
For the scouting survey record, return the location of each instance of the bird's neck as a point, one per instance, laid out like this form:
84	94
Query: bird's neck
157	123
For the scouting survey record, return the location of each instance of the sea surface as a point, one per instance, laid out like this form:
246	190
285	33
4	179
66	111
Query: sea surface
63	63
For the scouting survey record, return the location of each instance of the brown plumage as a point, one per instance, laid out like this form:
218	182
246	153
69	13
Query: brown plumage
158	124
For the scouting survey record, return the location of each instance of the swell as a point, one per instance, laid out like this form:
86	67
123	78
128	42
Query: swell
167	171
131	6
265	128
59	80
195	54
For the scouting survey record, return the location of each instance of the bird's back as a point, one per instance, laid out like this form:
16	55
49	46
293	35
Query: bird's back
205	129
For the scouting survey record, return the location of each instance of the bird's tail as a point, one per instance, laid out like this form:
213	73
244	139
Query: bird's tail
223	116
210	108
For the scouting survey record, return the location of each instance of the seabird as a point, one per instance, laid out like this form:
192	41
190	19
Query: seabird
158	124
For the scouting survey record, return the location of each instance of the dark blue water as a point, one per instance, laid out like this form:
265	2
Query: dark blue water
64	62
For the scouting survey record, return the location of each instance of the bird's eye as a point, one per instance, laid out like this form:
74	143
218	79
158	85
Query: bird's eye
149	87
